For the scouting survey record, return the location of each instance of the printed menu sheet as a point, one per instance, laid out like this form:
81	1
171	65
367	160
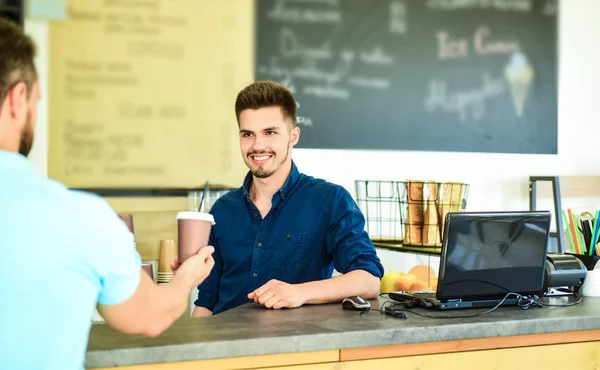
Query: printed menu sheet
142	92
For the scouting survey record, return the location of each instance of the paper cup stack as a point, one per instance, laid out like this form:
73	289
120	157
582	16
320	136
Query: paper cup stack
168	251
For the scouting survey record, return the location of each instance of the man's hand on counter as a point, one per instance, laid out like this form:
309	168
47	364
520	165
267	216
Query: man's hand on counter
278	294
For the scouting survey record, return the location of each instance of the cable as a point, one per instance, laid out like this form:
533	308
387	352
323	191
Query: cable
524	302
397	314
578	301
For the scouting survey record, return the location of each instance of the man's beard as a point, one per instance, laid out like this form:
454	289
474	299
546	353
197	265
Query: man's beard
261	173
26	136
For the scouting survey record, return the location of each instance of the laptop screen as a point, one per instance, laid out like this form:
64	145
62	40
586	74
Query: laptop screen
486	255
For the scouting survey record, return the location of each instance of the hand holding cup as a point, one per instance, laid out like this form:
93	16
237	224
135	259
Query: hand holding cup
197	266
193	232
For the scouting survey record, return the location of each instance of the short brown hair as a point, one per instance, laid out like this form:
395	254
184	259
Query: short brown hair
263	94
17	52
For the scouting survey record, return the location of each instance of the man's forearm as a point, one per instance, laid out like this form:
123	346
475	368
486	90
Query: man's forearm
179	291
168	303
152	308
201	312
356	282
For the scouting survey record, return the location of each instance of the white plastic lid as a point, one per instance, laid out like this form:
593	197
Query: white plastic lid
193	215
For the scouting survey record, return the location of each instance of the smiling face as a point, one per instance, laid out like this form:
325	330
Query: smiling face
266	140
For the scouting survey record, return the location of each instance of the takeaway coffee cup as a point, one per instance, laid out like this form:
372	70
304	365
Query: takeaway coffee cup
193	231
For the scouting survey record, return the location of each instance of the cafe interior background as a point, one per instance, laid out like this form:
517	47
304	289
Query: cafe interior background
201	145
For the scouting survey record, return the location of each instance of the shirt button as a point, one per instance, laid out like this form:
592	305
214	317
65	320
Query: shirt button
254	274
255	216
259	244
288	236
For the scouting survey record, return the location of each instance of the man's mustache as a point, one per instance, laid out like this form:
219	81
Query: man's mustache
263	152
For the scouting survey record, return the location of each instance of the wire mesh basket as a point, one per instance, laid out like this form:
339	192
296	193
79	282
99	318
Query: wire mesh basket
411	212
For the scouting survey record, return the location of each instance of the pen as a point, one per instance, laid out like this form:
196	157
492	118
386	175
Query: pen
595	232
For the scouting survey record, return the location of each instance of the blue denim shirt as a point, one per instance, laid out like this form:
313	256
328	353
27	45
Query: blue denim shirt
312	227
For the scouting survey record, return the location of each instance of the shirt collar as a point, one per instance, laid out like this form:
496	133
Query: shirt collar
12	161
285	189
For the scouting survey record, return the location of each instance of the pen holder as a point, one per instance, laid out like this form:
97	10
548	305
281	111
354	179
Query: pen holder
589	261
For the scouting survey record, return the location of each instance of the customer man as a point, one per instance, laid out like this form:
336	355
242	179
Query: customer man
281	234
64	252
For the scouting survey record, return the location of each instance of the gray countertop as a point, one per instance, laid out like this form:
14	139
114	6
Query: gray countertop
251	330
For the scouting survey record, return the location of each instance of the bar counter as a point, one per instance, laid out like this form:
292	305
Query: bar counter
328	337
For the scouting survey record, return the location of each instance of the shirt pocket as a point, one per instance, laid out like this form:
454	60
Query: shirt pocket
290	252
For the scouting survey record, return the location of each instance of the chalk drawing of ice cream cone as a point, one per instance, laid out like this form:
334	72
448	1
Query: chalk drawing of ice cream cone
519	75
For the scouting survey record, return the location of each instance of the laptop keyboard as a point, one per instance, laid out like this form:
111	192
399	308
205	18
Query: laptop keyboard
429	296
401	296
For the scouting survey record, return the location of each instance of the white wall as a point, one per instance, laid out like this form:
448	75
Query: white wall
498	181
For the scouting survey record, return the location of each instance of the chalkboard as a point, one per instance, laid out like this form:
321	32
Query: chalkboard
432	75
13	10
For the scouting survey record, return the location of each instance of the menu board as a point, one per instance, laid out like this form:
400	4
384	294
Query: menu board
433	75
142	93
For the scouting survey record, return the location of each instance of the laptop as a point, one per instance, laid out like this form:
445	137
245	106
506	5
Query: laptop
486	255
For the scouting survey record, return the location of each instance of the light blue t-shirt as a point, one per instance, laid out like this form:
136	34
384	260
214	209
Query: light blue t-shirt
61	253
